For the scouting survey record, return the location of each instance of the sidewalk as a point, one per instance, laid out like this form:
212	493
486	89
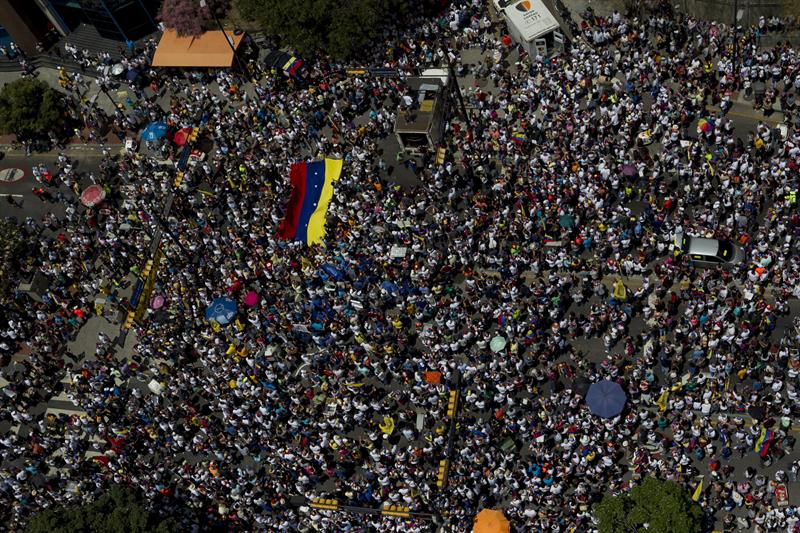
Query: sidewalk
744	110
741	102
50	76
94	94
72	148
743	107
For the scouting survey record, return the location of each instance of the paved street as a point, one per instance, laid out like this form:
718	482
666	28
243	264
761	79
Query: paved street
436	352
27	204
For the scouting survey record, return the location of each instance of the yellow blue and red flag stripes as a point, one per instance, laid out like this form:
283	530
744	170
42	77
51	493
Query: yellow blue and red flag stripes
764	441
292	65
312	190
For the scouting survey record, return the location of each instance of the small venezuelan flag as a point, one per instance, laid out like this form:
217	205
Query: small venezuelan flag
312	190
518	137
764	441
292	65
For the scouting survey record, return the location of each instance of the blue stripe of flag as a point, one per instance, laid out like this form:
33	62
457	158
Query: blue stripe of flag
315	179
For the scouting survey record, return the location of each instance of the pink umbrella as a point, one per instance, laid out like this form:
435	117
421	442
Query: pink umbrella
157	302
93	195
251	299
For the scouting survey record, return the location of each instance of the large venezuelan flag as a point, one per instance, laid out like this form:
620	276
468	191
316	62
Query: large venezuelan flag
312	190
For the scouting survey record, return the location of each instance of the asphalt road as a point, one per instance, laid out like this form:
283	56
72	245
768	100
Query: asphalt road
26	204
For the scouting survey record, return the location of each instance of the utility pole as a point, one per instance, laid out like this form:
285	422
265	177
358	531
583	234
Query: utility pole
242	66
452	77
735	41
104	89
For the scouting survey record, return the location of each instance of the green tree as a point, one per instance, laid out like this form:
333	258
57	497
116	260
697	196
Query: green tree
120	509
30	107
11	252
662	505
338	27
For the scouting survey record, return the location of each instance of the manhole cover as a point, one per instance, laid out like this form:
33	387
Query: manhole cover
10	175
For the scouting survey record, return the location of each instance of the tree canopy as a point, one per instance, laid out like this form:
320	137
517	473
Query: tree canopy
662	505
119	509
30	107
188	18
338	27
11	251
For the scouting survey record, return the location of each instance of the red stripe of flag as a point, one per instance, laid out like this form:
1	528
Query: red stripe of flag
294	66
297	175
770	436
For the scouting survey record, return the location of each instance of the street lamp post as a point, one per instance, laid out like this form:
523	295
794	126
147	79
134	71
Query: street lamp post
452	76
735	41
204	3
105	91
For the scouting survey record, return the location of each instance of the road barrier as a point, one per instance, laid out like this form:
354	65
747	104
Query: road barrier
328	505
396	510
387	509
452	404
178	179
441	478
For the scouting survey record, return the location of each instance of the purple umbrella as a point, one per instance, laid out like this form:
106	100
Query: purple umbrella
629	170
157	302
606	398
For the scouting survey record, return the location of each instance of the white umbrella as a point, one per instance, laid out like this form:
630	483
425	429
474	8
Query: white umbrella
497	344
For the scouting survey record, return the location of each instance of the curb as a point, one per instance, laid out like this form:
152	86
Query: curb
12	150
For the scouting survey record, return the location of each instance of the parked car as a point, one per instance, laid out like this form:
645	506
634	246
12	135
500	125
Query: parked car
709	252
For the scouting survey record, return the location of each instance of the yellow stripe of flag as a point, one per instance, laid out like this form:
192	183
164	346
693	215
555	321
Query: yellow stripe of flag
698	491
316	223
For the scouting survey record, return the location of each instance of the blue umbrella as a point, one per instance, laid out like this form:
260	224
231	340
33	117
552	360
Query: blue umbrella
333	272
606	398
154	131
132	74
390	287
222	310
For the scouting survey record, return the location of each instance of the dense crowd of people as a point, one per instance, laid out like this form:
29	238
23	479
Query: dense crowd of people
335	382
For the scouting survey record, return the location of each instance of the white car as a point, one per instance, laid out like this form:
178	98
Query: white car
709	252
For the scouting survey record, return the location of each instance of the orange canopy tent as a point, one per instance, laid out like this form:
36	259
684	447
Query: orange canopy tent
491	521
207	50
